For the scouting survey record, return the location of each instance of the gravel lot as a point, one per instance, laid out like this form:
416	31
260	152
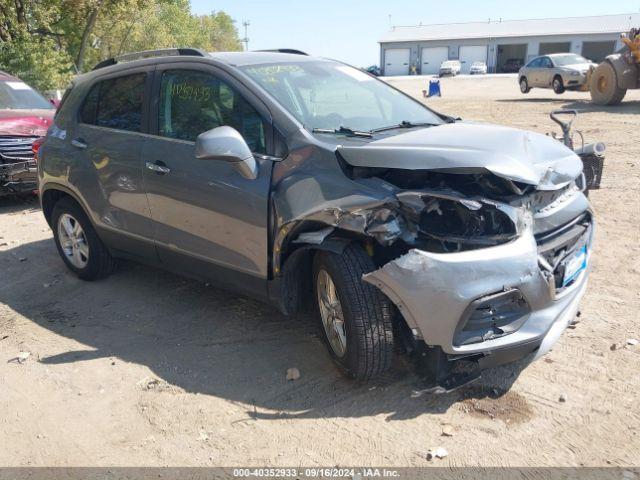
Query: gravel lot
148	368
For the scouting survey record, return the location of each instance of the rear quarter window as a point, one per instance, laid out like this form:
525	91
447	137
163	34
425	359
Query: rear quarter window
115	103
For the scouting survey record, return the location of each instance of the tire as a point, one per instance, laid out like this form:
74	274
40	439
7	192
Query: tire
367	313
89	259
557	85
604	86
524	85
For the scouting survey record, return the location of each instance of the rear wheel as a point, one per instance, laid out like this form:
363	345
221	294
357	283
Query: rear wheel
558	85
604	86
524	85
356	318
78	243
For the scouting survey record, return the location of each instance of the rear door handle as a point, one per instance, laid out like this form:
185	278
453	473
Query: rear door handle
79	143
159	167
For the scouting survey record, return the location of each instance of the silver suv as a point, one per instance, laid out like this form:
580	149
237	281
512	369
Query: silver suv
305	182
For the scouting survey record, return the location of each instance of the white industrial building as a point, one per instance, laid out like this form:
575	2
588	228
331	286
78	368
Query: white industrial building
421	49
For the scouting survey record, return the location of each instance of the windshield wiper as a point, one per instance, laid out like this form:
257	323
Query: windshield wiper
342	130
404	124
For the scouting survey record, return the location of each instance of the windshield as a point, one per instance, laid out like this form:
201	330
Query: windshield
478	64
17	95
449	63
569	59
328	95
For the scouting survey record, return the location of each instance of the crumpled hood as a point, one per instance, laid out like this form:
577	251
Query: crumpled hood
25	122
513	154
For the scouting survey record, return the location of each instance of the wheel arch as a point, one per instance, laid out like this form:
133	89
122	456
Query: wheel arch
294	273
52	194
294	260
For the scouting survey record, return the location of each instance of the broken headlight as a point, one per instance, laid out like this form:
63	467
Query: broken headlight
467	222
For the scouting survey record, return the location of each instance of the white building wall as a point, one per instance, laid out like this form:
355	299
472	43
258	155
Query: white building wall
533	45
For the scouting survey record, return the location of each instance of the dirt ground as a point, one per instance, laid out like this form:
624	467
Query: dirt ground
148	368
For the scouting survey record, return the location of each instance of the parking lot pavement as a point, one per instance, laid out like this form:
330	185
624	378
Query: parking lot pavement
147	368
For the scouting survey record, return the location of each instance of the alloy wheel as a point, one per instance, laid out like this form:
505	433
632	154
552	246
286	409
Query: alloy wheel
557	85
73	241
331	313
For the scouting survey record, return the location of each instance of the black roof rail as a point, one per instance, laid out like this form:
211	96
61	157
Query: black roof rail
292	51
165	52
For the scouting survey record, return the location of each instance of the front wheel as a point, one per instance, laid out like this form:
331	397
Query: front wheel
356	318
558	86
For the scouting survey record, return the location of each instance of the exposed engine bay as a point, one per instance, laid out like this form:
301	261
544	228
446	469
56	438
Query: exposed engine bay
447	210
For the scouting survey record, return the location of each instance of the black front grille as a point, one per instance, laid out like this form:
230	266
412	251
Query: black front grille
16	149
592	166
560	244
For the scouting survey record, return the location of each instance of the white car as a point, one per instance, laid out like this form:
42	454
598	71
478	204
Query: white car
450	67
559	71
478	68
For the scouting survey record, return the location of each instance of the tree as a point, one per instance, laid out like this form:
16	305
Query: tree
220	32
46	42
32	45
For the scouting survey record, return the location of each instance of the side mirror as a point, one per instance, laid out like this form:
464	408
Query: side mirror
226	143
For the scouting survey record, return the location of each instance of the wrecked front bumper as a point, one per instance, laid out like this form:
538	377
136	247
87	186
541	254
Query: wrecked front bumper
491	300
18	177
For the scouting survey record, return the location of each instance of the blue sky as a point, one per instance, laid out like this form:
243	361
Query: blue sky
349	30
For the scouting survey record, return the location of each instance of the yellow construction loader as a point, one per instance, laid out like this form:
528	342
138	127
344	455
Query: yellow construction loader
618	72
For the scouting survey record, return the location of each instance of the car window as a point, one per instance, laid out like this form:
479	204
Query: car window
17	95
194	102
535	63
116	103
546	62
569	59
328	95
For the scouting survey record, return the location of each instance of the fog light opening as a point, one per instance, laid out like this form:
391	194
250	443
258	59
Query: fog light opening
492	316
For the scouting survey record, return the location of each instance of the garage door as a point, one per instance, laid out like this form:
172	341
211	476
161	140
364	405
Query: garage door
396	61
432	58
597	51
470	54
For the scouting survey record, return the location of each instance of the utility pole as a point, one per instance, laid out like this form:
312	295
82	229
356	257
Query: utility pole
246	24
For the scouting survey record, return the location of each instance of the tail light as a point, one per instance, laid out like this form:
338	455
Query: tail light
35	147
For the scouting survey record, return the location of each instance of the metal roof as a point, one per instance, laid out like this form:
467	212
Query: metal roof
514	28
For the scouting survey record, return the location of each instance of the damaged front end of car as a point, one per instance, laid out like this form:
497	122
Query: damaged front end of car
485	258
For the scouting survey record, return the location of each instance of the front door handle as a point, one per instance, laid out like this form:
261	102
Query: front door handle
159	167
79	143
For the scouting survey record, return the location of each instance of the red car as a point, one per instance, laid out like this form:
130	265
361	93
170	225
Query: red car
25	116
